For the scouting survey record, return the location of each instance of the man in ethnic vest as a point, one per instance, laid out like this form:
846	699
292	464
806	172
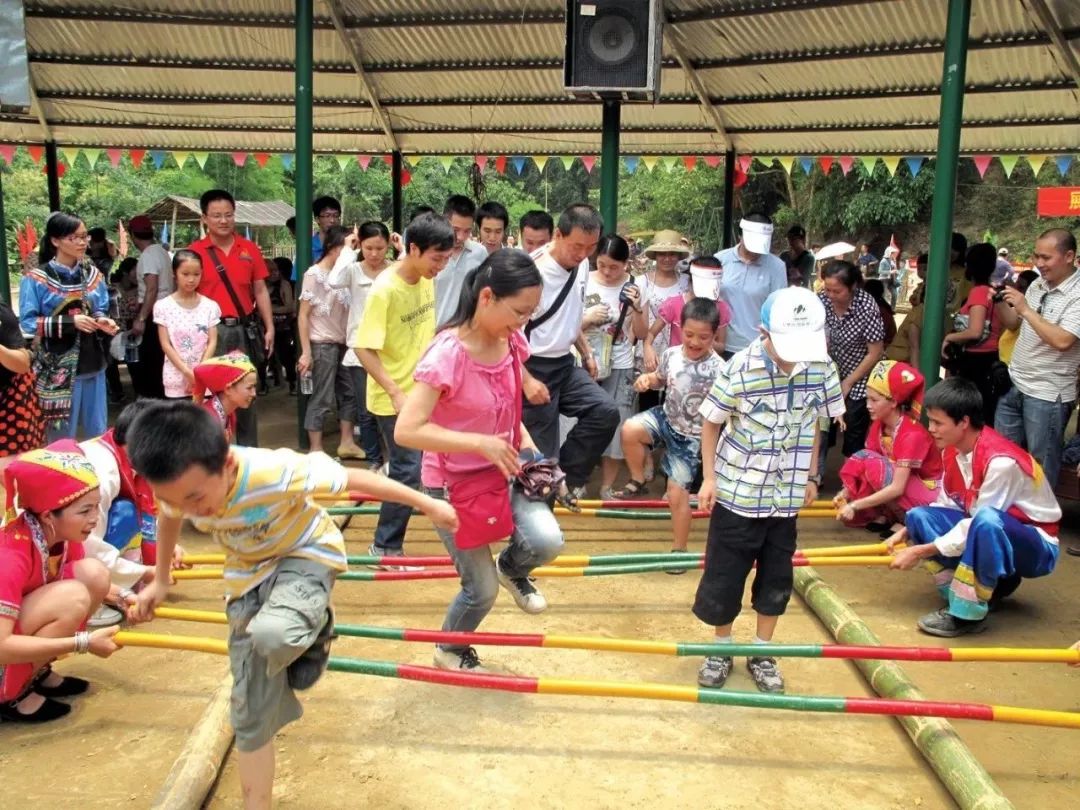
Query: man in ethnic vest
994	524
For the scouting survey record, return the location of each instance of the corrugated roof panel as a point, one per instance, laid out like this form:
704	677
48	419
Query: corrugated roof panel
173	7
414	8
430	43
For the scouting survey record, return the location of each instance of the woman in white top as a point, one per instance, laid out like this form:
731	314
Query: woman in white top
368	243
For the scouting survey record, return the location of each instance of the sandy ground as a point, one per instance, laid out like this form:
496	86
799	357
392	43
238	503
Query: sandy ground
396	744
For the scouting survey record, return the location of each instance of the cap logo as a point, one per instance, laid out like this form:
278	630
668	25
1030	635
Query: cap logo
799	310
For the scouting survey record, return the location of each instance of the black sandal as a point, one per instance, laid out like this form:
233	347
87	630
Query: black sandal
632	489
70	686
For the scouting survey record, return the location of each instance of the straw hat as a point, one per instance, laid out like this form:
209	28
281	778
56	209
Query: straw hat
667	242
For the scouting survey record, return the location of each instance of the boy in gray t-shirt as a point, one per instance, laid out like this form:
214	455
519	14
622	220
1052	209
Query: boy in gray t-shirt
686	373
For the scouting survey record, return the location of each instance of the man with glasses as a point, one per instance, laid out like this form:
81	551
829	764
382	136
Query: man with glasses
245	269
1035	410
327	213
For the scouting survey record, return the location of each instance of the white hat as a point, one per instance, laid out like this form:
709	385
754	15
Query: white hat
706	281
1003	252
795	319
756	236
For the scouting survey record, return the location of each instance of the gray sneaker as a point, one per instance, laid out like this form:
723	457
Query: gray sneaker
375	551
714	671
466	661
105	616
943	624
765	673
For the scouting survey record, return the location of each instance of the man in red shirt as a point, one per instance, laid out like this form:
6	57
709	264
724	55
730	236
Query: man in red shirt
246	270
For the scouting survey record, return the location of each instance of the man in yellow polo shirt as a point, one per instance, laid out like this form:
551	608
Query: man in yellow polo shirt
397	325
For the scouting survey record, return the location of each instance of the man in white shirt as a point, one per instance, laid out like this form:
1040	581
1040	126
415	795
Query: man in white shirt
553	383
750	274
1035	410
994	524
467	254
155	278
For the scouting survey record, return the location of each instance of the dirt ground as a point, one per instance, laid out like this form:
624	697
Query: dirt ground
396	744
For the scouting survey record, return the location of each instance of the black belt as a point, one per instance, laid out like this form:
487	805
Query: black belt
232	322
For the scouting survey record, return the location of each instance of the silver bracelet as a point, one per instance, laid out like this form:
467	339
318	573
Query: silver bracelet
82	642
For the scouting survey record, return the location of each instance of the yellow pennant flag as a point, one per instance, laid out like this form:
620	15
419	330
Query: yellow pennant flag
1008	162
650	161
891	162
69	153
541	161
1036	162
180	157
446	161
200	158
788	162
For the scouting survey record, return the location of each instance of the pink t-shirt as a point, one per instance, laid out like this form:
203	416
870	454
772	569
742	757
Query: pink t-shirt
189	332
671	313
475	398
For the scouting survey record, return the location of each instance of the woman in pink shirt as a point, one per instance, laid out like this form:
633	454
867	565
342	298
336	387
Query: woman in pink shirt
465	414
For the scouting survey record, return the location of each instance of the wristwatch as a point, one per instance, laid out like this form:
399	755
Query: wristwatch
814	479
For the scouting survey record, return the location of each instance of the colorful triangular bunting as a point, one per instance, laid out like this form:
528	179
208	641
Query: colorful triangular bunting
446	161
261	158
115	156
69	153
180	158
1036	162
500	164
92	156
287	161
343	161
745	162
158	156
982	163
567	161
201	158
239	158
631	162
36	151
891	162
1008	163
712	161
518	162
137	156
915	164
846	163
588	161
541	161
7	152
364	161
807	164
788	162
481	161
689	162
1063	162
825	162
650	162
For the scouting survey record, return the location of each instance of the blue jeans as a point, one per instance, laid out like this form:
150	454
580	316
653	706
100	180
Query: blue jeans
88	408
369	428
405	469
537	539
1037	425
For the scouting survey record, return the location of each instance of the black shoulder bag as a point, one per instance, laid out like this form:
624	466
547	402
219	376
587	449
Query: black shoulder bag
555	305
253	333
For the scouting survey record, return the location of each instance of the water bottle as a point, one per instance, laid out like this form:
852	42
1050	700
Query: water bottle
131	348
307	384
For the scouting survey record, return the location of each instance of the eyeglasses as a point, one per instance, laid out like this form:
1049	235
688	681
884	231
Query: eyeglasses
522	317
78	237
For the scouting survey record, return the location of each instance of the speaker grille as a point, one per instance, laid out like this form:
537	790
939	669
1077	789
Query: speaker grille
610	44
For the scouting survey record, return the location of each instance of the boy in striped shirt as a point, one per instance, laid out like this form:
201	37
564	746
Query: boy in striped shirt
770	401
283	553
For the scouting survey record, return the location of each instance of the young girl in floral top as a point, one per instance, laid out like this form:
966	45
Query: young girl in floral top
187	326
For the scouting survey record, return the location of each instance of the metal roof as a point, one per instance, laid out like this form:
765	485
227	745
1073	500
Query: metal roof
271	214
485	76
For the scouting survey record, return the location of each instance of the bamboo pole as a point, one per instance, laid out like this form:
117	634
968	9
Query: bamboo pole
960	772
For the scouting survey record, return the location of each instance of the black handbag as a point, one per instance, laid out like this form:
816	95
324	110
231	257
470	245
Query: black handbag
253	332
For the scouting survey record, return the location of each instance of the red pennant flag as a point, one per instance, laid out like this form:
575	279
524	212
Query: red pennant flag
239	158
61	169
500	164
982	163
712	161
481	161
261	158
740	177
406	177
846	162
388	160
7	151
137	156
588	161
689	161
114	156
36	152
826	164
745	162
364	161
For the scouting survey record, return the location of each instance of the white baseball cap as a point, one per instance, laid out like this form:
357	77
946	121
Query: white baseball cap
795	319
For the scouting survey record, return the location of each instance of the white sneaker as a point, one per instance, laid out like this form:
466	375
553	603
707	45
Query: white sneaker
465	661
525	594
105	616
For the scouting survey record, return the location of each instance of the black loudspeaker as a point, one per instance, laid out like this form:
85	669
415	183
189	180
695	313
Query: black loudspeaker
613	48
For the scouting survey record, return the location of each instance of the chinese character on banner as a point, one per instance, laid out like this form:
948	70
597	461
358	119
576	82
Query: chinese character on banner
1062	201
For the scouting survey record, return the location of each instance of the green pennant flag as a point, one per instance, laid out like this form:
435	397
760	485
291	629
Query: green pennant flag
70	153
343	160
200	158
567	161
446	161
92	156
1008	162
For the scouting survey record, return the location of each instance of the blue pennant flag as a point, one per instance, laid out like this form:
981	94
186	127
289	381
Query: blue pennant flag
1063	163
914	165
518	162
631	163
158	157
287	161
806	163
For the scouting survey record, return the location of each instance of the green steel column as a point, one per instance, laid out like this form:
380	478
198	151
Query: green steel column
948	156
396	168
609	166
304	77
727	238
53	175
5	277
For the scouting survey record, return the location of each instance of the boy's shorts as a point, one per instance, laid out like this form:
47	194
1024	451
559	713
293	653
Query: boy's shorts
734	544
682	461
271	626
